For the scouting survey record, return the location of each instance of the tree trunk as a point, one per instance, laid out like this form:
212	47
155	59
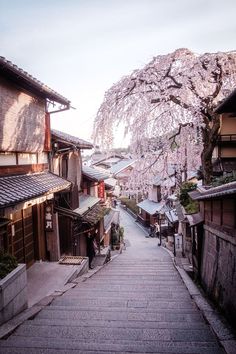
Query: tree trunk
210	135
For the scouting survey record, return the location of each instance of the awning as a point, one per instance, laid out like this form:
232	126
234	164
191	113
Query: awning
113	216
86	202
150	207
20	188
172	216
94	215
67	212
195	219
89	209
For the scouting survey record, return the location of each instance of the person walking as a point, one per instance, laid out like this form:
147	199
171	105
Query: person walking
157	229
90	249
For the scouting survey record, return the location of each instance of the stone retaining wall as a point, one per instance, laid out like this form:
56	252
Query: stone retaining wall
13	293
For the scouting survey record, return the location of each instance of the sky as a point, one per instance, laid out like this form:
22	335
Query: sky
80	48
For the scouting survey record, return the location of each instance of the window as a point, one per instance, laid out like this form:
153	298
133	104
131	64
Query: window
64	166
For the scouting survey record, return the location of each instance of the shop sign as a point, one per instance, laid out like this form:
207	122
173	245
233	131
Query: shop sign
101	190
49	217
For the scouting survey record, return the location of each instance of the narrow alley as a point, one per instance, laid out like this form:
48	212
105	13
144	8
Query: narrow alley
137	303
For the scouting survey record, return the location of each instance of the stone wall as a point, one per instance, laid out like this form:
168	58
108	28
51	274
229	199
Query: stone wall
219	270
13	293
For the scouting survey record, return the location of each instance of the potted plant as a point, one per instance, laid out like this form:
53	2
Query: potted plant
7	264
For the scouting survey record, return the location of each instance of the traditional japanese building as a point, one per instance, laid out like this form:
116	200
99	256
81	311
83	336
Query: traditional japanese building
224	156
66	161
214	228
28	190
216	245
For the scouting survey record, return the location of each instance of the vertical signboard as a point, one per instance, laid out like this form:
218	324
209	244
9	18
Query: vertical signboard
49	216
101	190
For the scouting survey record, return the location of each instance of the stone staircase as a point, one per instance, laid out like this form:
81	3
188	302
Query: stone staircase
131	305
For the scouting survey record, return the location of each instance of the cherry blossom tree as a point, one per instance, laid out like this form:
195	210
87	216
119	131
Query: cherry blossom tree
168	108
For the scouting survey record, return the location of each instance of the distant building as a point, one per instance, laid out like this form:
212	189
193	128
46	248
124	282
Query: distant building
224	156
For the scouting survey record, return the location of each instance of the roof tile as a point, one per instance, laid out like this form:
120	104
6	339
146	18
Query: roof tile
15	189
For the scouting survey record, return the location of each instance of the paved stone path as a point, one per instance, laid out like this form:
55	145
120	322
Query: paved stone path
138	303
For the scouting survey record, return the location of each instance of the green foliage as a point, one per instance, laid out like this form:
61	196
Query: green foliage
7	264
183	194
190	205
130	203
230	177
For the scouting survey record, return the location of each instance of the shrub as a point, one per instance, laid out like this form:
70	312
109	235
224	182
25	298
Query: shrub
218	181
130	203
7	264
190	205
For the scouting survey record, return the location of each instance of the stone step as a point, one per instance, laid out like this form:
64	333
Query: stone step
137	301
117	305
138	287
131	334
118	324
122	290
71	312
131	281
152	276
140	268
35	345
128	292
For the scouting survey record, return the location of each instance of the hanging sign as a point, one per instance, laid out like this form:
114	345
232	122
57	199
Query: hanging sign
49	217
178	243
101	190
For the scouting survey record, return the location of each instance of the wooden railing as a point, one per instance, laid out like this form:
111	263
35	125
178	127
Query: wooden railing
227	137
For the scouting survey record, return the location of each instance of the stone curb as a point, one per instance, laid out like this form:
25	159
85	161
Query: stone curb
220	327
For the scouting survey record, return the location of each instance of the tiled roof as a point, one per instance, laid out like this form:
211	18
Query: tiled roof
121	165
90	209
94	214
26	80
110	182
83	144
85	203
107	159
194	219
94	173
224	189
228	105
16	189
150	207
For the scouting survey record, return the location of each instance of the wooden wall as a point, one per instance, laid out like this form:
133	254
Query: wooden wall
22	120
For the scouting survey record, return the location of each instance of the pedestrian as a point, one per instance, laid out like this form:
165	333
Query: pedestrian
151	230
157	229
90	249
